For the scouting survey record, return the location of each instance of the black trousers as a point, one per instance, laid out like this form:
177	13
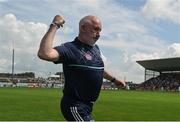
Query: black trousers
75	110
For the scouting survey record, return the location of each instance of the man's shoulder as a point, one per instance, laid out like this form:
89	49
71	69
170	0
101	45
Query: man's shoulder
68	44
96	47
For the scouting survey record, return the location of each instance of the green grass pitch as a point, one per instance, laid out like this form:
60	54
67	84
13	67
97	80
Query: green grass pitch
36	104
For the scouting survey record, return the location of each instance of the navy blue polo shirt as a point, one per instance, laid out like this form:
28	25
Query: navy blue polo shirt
83	70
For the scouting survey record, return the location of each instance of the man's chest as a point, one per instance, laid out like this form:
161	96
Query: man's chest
87	56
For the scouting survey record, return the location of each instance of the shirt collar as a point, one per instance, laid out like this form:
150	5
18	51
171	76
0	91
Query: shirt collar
81	43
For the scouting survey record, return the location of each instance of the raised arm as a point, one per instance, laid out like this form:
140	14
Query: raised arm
46	51
118	83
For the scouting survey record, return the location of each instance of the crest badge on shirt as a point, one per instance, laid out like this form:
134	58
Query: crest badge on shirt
88	56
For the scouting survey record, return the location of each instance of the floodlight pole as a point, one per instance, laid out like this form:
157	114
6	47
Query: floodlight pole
13	63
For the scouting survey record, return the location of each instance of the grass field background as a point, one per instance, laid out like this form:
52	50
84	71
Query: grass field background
21	104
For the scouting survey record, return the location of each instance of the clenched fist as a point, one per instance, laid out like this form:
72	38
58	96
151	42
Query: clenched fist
119	83
58	20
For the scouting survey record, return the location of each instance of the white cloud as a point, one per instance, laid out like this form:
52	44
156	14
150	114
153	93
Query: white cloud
3	1
174	50
27	36
163	9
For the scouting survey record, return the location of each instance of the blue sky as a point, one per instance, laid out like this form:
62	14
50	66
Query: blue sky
132	30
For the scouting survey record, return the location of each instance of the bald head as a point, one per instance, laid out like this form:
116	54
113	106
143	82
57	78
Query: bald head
90	19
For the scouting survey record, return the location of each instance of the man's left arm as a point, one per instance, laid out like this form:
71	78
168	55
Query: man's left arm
118	83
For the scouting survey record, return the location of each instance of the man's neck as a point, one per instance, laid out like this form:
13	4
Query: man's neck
83	40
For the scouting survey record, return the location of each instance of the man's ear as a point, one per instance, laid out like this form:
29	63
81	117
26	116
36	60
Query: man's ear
83	28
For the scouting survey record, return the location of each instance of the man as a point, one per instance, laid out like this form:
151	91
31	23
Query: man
82	66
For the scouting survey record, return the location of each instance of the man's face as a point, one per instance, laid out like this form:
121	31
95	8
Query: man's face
93	32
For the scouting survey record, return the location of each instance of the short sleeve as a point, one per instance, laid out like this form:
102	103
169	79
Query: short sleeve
101	54
103	57
64	53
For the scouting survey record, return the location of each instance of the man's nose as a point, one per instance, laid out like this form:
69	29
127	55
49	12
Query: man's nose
98	33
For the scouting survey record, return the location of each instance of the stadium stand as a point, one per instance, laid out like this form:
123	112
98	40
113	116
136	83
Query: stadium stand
28	79
165	74
163	82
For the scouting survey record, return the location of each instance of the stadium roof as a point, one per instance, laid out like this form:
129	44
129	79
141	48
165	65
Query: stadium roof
167	64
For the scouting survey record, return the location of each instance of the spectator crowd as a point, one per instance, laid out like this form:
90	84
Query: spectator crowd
163	82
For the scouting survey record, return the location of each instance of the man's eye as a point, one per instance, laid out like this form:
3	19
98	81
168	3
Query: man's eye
97	29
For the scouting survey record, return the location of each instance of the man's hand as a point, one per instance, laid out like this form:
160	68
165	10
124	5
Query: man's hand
58	20
119	83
